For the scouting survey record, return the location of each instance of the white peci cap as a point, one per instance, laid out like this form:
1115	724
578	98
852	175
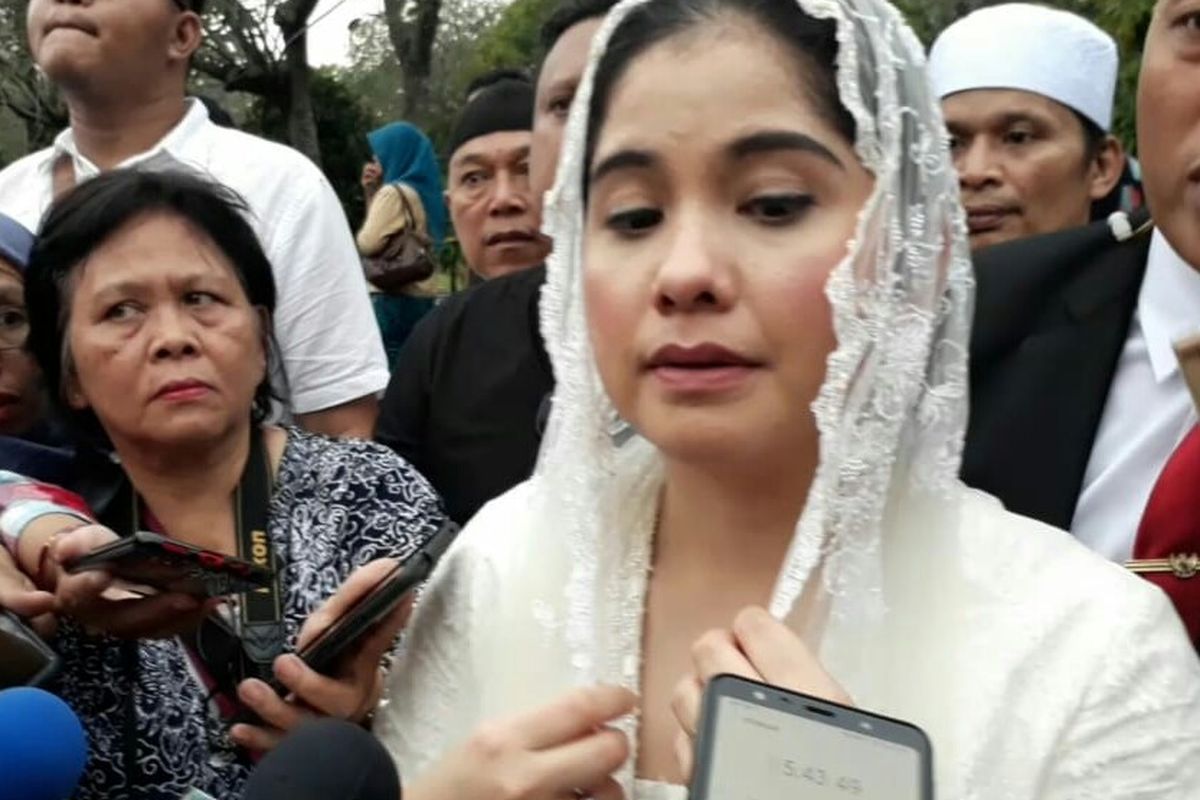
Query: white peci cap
1033	48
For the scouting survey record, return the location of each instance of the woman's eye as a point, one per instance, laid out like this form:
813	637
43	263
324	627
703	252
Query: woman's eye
634	221
780	209
12	318
1189	22
199	298
120	311
560	106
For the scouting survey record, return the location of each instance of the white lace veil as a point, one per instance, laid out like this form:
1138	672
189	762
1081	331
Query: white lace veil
892	410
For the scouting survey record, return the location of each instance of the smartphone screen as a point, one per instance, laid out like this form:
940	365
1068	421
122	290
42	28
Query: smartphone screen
758	748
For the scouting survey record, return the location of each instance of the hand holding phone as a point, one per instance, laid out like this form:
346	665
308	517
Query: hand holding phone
95	598
761	741
170	565
336	667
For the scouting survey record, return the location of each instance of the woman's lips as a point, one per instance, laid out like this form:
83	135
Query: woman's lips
700	369
183	391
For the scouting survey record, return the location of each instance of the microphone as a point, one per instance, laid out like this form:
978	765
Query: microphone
43	749
323	759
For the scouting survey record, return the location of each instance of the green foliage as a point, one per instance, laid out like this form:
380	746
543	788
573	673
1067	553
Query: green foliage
342	127
514	40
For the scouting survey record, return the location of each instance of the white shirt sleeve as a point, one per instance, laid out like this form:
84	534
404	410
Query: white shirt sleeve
331	348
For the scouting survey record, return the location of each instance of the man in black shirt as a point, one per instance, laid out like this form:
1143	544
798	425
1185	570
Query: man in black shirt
471	387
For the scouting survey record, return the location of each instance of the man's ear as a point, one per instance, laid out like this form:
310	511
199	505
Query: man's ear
186	38
1107	167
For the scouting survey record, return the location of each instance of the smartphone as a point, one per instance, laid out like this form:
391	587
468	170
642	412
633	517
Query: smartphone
25	660
169	565
761	742
323	653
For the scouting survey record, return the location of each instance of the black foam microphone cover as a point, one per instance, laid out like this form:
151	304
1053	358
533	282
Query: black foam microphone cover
326	759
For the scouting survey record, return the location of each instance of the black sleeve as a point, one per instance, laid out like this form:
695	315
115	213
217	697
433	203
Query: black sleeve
404	411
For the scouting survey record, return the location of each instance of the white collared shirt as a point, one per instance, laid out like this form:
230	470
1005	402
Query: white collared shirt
331	348
1149	408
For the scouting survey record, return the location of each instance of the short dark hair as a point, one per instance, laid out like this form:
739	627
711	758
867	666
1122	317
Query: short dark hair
569	14
1093	136
87	216
495	76
812	41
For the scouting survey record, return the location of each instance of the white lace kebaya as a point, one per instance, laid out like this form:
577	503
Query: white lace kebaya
1038	669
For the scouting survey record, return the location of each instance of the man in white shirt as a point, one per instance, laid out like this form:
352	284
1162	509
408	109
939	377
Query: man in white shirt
1077	398
1027	92
122	67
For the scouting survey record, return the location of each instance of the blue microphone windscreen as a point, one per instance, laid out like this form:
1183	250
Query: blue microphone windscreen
43	749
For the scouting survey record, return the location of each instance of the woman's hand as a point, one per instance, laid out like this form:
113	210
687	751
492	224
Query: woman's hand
351	693
759	647
92	599
558	752
19	595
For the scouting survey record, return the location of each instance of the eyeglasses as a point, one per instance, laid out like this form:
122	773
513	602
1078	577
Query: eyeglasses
14	327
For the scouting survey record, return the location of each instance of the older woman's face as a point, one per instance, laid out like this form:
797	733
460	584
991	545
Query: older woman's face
720	201
167	349
20	384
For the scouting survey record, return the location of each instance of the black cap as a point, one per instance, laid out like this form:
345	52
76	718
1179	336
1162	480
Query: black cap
506	105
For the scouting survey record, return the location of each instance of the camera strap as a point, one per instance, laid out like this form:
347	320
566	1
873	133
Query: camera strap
261	616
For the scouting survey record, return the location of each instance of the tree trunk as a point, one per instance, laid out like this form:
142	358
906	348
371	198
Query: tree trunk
292	19
413	41
301	120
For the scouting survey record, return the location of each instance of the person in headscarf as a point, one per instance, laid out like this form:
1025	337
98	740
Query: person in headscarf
28	442
1028	92
403	185
758	310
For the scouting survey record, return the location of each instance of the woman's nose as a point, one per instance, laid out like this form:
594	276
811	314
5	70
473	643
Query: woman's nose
174	335
694	275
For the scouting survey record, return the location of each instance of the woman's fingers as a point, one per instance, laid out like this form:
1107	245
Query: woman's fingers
256	738
157	617
584	762
782	658
716	653
358	585
328	696
273	710
685	703
684	745
572	716
81	541
608	790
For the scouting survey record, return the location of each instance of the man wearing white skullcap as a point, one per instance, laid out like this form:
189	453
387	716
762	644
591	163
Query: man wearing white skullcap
1028	97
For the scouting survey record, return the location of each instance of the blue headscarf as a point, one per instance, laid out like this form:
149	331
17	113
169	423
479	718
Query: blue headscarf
408	157
15	242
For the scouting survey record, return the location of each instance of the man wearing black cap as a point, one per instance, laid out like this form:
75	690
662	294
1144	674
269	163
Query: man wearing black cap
471	385
491	203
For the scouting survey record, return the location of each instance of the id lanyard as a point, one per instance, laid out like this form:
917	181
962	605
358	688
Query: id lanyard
261	630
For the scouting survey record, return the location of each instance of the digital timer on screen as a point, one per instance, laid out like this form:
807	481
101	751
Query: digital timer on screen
760	753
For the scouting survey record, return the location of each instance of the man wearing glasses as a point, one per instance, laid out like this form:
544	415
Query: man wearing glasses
122	67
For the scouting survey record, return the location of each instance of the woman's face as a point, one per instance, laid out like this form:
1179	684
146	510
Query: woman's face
167	349
720	201
20	384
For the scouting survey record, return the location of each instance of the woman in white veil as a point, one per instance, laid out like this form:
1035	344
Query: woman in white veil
1037	669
